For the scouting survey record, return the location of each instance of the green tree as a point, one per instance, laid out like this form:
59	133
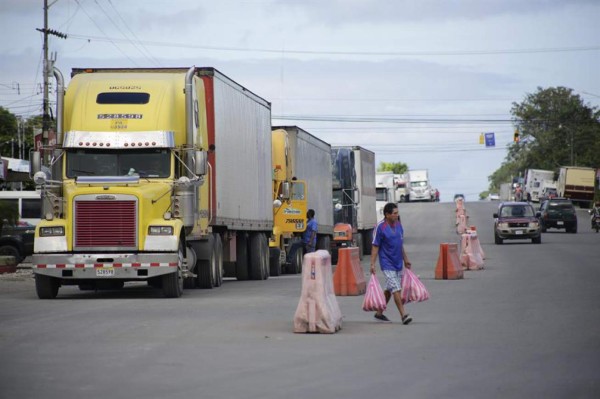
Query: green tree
553	123
396	167
8	131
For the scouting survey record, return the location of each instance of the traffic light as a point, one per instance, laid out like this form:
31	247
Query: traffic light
516	136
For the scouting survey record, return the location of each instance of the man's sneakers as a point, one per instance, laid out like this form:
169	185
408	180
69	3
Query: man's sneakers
406	319
382	317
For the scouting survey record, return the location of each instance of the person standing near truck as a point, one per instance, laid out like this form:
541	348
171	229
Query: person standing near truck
388	244
309	237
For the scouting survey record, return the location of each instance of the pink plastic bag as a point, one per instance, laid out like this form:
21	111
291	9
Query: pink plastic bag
374	299
413	289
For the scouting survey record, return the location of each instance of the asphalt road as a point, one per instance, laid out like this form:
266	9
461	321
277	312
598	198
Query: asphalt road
527	326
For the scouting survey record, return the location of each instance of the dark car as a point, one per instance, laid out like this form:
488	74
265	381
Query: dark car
17	240
558	213
516	221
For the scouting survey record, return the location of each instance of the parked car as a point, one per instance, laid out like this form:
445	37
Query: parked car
558	213
17	240
516	221
494	197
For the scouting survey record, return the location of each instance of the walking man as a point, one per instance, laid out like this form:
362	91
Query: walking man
388	244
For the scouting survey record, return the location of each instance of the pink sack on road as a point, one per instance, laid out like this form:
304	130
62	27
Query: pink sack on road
374	297
413	289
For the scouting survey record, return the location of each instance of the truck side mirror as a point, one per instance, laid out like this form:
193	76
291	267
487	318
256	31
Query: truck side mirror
285	190
356	197
35	163
201	162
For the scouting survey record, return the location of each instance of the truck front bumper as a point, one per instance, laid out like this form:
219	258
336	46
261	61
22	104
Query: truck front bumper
129	267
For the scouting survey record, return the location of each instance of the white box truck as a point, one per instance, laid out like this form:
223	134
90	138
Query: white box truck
577	183
419	185
385	191
533	183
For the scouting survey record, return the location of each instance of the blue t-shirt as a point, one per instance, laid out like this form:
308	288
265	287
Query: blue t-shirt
310	227
389	239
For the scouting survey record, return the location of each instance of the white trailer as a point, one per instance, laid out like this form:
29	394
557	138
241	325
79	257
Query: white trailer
533	183
385	191
401	183
364	163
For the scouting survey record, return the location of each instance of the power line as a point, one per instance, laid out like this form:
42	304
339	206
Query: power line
354	53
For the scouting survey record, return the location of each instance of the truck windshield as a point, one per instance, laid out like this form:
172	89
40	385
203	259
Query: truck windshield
143	163
418	184
381	194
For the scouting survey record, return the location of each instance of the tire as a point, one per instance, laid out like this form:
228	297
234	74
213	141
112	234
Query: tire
46	287
206	265
537	240
544	228
274	262
360	245
367	236
241	253
258	258
497	239
296	264
192	261
219	255
11	250
172	283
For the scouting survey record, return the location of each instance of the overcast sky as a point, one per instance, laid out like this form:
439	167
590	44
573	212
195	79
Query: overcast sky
413	81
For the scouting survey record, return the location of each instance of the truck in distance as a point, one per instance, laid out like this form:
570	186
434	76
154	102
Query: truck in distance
419	185
385	190
577	184
534	178
353	171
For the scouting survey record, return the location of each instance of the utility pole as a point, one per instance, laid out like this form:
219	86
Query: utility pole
46	110
48	70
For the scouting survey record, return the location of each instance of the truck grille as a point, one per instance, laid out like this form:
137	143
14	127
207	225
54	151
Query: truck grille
105	224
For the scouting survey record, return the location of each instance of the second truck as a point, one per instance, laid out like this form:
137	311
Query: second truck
301	181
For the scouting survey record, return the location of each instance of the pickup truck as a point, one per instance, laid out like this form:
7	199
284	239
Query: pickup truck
17	240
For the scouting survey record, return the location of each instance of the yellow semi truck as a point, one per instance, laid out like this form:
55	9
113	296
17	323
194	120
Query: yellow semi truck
160	175
301	181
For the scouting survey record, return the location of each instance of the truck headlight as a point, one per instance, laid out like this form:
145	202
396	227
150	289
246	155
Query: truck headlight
503	225
534	225
52	231
160	230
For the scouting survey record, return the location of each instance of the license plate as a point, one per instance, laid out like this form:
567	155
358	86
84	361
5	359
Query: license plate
519	232
105	272
560	223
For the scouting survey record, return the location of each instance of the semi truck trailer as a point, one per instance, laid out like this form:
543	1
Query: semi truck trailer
577	183
160	175
301	181
355	216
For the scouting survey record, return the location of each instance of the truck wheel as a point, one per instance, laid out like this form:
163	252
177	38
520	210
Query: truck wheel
296	265
274	261
241	253
367	241
359	244
11	250
191	261
172	283
206	265
219	255
258	257
46	287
